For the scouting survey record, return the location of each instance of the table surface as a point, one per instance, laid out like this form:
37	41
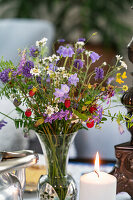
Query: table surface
77	169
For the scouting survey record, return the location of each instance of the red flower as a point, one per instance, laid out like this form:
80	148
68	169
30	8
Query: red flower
67	103
92	109
90	124
31	93
28	112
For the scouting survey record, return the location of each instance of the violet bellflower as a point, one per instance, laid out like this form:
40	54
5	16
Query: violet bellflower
81	40
73	79
78	63
94	56
65	51
61	40
99	73
4	75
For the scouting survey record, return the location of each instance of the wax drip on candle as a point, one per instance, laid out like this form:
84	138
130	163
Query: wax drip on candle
96	167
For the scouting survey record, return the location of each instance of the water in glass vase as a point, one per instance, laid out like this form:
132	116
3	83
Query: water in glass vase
57	184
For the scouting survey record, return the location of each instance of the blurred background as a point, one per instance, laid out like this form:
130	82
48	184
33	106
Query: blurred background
22	22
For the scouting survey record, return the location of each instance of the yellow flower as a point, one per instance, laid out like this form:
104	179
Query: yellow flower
9	74
34	89
125	87
124	75
118	75
47	67
118	80
103	89
89	86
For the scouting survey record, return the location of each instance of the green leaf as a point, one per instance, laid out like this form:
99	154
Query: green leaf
88	102
104	119
80	115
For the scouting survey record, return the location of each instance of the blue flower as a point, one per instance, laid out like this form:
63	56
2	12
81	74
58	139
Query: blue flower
94	56
78	63
73	79
4	75
81	40
65	51
26	69
99	73
34	52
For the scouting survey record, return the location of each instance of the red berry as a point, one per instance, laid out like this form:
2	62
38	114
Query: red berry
92	109
90	124
28	113
31	93
67	103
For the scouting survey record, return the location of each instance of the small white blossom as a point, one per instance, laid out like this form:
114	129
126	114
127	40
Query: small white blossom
56	109
65	75
42	42
50	72
104	63
123	64
55	57
119	57
35	71
88	53
49	111
61	69
80	43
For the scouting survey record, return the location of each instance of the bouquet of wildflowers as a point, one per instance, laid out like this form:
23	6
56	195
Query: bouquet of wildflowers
55	90
58	95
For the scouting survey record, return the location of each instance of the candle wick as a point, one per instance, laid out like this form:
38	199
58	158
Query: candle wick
97	173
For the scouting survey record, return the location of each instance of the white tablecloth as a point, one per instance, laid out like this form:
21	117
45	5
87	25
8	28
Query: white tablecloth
76	170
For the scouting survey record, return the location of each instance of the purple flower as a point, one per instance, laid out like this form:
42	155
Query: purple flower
4	75
65	51
64	88
94	56
78	63
59	115
2	123
99	114
58	93
73	79
110	80
34	52
62	99
52	67
22	62
121	130
99	73
80	50
26	68
38	79
81	40
61	40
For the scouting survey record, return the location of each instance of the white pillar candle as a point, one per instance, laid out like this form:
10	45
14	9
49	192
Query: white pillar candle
97	186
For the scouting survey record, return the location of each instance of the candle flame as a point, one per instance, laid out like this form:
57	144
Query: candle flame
97	165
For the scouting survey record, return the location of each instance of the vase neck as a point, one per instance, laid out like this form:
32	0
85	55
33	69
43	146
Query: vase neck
56	148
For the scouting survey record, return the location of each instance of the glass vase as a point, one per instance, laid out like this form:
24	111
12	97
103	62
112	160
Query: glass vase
57	184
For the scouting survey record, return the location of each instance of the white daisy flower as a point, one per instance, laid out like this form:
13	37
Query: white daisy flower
123	64
35	71
49	111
